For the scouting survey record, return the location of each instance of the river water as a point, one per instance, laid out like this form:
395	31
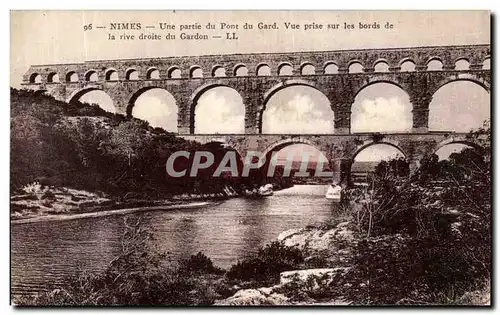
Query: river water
43	253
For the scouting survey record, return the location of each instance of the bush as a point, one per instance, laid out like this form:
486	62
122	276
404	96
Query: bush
81	146
49	195
138	276
425	236
265	267
199	263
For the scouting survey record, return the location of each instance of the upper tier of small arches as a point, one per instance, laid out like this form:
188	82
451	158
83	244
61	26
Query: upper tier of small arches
285	68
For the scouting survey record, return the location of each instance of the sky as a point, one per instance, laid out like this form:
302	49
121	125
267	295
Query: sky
44	37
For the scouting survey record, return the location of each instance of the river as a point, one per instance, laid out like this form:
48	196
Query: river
43	253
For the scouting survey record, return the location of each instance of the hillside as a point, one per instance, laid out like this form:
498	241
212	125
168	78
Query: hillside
81	146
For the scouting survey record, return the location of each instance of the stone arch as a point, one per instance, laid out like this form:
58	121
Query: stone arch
195	72
158	107
35	78
40	92
53	77
198	92
330	67
240	70
434	62
381	65
231	146
462	64
462	77
72	76
174	72
218	71
307	68
407	65
468	107
487	63
281	144
380	79
278	145
458	140
369	143
77	94
259	70
286	84
91	76
382	120
346	173
138	93
281	86
195	96
355	66
283	66
406	59
131	74
111	75
153	74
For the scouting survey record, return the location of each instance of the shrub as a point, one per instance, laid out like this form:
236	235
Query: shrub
425	236
33	188
138	276
199	263
49	195
313	288
265	267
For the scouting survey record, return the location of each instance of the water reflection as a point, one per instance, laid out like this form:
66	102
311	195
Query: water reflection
45	252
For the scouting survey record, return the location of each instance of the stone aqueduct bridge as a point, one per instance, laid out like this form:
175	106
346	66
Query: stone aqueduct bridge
330	72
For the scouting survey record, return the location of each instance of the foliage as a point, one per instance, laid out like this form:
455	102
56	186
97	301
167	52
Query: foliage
84	147
32	188
265	267
427	234
315	288
393	168
199	263
138	276
141	275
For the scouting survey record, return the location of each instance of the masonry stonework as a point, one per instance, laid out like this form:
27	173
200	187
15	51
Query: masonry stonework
115	77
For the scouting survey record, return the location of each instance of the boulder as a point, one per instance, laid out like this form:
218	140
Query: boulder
261	296
303	275
312	240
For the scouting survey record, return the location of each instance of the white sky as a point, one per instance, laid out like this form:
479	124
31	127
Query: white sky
158	107
378	152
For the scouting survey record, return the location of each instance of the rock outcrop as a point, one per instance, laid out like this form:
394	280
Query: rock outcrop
330	244
261	296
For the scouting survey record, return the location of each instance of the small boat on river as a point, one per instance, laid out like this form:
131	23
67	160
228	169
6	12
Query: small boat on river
261	192
334	192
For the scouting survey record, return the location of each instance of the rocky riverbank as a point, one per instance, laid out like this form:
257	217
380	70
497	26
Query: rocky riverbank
330	274
38	203
327	257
